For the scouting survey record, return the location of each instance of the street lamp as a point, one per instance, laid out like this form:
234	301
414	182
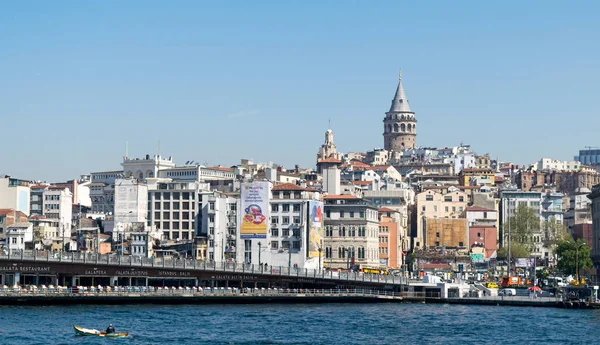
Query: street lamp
577	259
259	262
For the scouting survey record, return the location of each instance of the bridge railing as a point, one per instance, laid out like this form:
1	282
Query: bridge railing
191	264
136	291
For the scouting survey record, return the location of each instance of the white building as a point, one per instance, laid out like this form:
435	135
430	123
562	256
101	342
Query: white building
14	193
147	167
131	201
141	244
218	218
19	237
580	209
102	191
174	208
461	161
553	164
58	206
351	232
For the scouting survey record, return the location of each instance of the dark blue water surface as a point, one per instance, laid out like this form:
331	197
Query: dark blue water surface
303	324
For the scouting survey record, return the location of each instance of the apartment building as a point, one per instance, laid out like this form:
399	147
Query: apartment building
351	232
173	208
14	194
394	242
58	207
432	205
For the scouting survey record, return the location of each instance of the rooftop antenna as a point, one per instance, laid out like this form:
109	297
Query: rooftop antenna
158	147
126	149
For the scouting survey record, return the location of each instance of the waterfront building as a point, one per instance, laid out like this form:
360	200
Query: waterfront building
141	244
102	191
484	236
58	206
552	207
173	208
431	205
218	223
446	232
14	194
19	237
579	209
351	232
45	236
131	201
394	242
36	199
295	235
399	124
8	217
594	196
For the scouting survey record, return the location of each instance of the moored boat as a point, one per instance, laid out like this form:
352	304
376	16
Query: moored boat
95	332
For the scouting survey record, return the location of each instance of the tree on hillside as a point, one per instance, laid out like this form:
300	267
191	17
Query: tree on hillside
566	250
517	250
522	225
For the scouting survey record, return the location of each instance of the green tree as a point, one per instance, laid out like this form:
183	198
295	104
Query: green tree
553	232
522	225
567	252
517	250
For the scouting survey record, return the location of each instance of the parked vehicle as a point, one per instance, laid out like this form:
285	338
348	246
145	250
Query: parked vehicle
507	292
492	285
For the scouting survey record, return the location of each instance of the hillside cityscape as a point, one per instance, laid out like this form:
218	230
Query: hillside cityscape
405	208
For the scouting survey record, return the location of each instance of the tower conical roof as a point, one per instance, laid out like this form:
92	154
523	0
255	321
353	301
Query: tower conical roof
400	103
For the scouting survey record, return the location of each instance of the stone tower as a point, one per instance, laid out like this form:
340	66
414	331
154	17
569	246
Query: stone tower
399	124
328	149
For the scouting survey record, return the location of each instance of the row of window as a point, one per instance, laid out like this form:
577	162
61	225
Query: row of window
447	198
343	214
178	235
446	208
285	232
352	231
285	207
173	195
349	253
174	225
175	215
52	197
284	220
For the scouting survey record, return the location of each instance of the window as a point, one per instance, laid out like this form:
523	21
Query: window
429	197
296	207
341	214
274	232
274	244
460	244
286	207
437	244
328	231
211	206
351	214
362	214
447	209
248	251
296	220
285	220
275	220
479	234
341	252
448	198
274	208
423	209
343	231
437	234
328	252
328	213
461	198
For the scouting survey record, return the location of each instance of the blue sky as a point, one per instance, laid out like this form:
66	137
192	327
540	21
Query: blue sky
223	80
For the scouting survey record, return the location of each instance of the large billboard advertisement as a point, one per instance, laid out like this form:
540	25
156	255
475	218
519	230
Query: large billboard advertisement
255	210
315	226
524	262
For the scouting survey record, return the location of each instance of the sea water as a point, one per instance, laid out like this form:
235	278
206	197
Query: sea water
303	324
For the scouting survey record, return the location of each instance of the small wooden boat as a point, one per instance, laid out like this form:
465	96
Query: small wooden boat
86	332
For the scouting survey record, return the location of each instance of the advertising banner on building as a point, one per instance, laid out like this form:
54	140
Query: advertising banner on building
255	210
315	226
524	262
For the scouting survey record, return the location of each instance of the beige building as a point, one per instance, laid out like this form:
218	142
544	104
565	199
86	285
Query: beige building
446	232
351	232
432	205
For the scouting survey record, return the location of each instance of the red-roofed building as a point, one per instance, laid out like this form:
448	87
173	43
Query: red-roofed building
8	217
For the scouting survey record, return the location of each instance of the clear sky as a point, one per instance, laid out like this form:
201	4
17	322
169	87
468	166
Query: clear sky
223	80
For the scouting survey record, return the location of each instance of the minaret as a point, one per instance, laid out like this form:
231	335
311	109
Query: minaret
399	124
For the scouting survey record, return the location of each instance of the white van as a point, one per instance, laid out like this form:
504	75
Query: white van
507	292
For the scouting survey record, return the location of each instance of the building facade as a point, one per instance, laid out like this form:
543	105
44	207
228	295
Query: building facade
433	205
14	193
351	232
58	207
